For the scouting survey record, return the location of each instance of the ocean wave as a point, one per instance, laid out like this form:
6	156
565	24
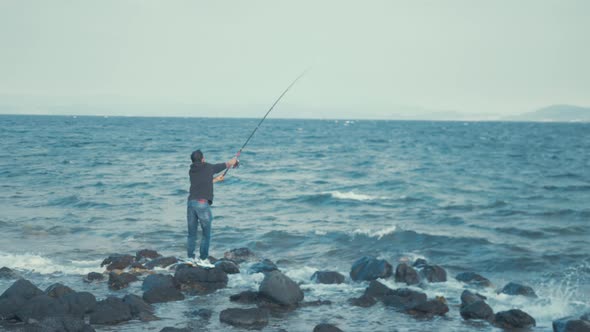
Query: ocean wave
35	263
379	233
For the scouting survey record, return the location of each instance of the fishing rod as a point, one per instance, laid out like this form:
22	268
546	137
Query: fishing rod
262	120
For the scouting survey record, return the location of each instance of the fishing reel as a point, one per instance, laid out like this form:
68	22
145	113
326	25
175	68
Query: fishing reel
237	164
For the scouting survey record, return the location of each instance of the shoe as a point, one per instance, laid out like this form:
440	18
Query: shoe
204	263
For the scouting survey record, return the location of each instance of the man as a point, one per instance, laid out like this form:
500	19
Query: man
199	204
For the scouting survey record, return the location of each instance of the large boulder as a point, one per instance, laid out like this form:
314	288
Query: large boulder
145	254
246	297
78	303
377	290
117	262
240	255
514	319
7	273
253	318
364	301
404	299
110	311
570	324
473	306
162	262
200	280
139	308
227	266
327	277
473	279
513	288
433	273
407	274
420	263
58	290
370	268
265	265
324	327
16	296
120	281
281	289
434	307
58	324
40	307
94	276
160	288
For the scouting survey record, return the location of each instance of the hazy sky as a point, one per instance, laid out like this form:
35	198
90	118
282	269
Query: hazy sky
369	57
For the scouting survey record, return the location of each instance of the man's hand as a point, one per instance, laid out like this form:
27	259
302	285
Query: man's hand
218	178
232	162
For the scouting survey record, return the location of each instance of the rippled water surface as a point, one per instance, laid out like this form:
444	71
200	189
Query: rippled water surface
507	200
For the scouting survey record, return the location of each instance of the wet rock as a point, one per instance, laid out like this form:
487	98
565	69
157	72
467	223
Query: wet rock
246	297
474	307
514	319
15	297
570	324
265	265
585	316
117	262
160	288
120	281
110	311
240	255
162	262
315	303
201	313
435	307
513	288
6	273
227	266
420	263
363	301
473	279
138	267
146	254
58	290
139	308
253	318
200	280
326	328
59	324
404	299
370	268
40	307
327	277
280	289
94	276
176	329
433	273
78	303
377	290
407	274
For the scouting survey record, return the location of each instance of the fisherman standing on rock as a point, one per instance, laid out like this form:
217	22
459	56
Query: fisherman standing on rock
199	204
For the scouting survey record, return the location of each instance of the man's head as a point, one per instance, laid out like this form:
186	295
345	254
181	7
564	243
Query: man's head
197	156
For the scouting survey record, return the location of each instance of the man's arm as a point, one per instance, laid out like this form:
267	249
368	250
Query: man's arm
222	166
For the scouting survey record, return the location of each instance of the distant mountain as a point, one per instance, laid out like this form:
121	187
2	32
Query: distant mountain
556	113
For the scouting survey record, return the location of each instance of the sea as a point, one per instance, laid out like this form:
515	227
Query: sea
508	200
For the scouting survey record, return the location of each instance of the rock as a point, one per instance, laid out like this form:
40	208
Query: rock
120	281
201	313
138	267
117	262
246	297
327	277
139	308
39	307
315	303
514	319
570	324
78	303
585	316
474	307
265	265
404	299
6	273
23	289
280	289
9	307
253	318
473	279
227	266
94	276
160	288
370	268
433	273
110	311
407	274
363	301
377	290
240	255
435	307
162	262
326	328
59	324
146	254
58	290
200	280
513	288
176	329
420	263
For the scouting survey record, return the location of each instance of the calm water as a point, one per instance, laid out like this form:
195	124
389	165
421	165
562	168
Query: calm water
507	200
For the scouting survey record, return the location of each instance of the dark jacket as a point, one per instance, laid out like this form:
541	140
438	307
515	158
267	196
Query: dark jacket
201	176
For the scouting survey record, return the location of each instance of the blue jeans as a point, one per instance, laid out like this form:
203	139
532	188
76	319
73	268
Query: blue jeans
198	212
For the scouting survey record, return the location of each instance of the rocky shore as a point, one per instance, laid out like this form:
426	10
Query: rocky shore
25	307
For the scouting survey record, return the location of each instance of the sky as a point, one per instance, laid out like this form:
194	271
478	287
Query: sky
367	59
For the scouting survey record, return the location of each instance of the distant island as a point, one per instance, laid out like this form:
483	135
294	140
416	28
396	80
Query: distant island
555	113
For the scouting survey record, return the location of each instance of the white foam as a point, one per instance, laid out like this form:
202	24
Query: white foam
351	196
379	233
36	263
